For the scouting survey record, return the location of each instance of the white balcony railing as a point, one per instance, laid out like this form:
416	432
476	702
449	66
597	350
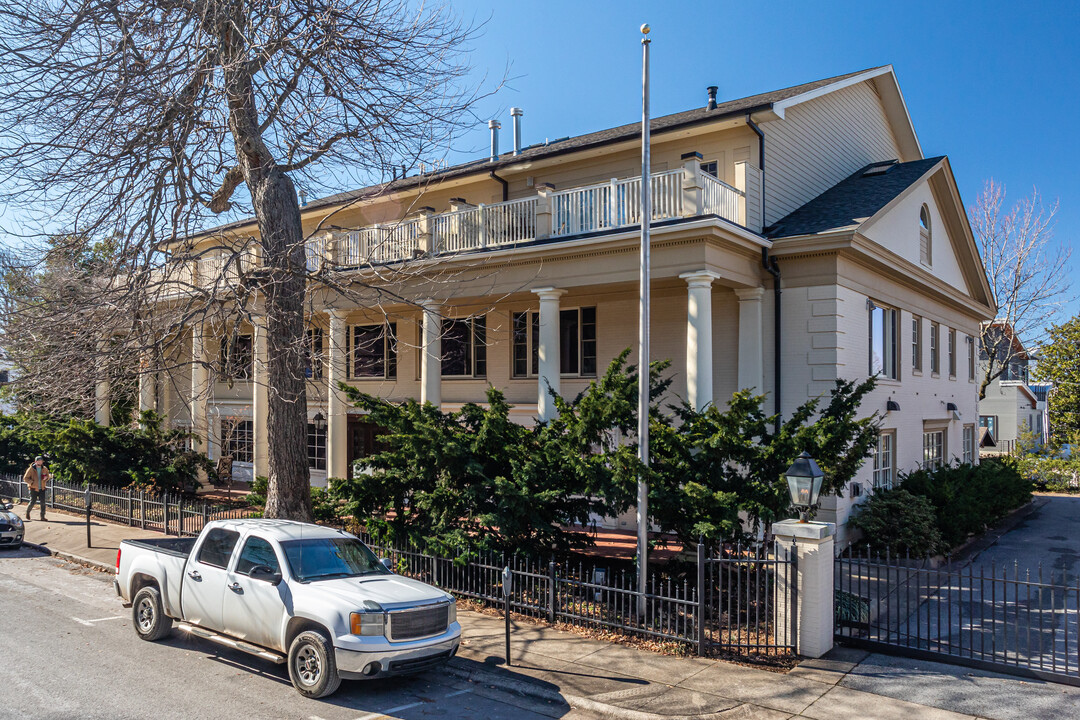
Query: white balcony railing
719	198
683	192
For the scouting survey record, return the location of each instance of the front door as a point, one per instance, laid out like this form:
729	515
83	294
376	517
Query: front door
255	609
361	441
204	584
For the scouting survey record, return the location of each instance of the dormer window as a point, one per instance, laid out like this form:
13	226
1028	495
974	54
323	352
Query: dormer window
924	236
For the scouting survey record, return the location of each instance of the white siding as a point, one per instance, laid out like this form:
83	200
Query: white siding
821	142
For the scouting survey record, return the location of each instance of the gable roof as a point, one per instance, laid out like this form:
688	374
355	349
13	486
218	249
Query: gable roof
853	200
776	100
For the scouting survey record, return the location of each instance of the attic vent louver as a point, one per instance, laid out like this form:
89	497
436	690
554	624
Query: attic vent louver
879	168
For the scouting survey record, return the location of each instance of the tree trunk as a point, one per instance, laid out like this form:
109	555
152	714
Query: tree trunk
281	282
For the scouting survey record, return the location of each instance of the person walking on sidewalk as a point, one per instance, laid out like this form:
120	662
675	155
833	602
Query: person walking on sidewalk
37	477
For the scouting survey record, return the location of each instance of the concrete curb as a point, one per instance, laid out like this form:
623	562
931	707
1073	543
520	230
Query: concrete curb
77	559
503	681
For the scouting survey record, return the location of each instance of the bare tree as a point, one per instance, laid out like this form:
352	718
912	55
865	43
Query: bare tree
141	122
1028	273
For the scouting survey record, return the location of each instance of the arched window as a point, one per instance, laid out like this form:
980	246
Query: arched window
924	236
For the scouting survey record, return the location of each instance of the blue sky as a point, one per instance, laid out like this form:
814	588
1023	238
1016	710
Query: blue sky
993	85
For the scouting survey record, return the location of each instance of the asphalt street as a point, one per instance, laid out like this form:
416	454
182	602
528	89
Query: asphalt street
70	652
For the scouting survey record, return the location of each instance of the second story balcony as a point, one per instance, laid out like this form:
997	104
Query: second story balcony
551	214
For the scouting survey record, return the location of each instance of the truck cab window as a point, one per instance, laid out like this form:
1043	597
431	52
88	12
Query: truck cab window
257	552
217	547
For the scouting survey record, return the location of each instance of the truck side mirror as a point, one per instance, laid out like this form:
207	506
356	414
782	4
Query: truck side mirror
387	563
265	573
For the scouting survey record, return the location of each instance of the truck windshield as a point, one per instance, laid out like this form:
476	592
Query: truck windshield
325	558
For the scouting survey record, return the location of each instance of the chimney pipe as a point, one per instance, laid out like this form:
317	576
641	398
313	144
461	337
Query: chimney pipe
712	97
494	126
516	113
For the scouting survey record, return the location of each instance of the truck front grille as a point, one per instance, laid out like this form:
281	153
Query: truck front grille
419	622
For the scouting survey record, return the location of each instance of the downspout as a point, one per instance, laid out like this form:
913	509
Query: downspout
773	268
505	185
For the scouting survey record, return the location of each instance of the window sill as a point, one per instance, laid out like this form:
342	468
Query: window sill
888	381
916	373
935	374
455	378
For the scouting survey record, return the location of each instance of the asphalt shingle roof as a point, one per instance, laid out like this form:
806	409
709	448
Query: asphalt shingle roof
565	145
852	200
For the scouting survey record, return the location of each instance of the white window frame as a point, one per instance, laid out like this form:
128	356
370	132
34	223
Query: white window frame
969	444
935	348
933	448
926	247
476	357
952	352
884	474
971	358
890	360
390	351
916	343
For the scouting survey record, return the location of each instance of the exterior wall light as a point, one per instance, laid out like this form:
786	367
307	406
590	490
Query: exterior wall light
804	483
319	422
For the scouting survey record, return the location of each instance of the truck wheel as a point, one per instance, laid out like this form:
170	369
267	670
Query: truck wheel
312	665
151	622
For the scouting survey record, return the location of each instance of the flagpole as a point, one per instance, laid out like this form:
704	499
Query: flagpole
643	334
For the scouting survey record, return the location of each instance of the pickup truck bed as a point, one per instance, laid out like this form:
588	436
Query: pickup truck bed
180	547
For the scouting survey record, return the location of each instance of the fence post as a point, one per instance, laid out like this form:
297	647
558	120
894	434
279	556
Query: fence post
165	512
180	516
130	509
142	509
807	603
205	514
88	502
553	610
701	595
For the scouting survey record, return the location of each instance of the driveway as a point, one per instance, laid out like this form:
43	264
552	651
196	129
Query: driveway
1047	538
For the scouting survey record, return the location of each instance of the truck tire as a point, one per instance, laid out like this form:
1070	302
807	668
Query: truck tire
312	665
151	622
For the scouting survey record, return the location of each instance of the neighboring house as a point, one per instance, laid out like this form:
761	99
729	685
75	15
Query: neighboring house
1013	406
878	269
7	375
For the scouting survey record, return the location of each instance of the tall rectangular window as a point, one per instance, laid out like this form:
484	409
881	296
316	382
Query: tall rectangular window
969	444
916	343
952	352
313	354
238	357
577	342
464	347
933	449
884	460
883	355
373	349
238	439
316	447
935	350
971	357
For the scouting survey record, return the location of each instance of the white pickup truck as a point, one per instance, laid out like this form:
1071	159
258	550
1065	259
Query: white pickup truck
311	596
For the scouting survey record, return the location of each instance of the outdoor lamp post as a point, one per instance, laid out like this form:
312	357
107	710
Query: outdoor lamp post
804	483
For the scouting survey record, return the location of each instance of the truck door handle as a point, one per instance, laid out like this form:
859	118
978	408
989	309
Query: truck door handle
237	588
194	575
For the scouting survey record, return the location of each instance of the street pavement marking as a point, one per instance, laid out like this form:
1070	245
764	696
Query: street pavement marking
402	708
90	623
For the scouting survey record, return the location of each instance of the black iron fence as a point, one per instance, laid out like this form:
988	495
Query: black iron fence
994	618
736	603
169	514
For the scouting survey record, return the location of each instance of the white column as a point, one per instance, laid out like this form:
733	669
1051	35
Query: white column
200	387
337	452
548	351
814	608
260	402
102	400
751	346
147	386
699	344
431	355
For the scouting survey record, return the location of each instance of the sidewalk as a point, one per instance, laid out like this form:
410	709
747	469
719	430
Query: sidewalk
618	681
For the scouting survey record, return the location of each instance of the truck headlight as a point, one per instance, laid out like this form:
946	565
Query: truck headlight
452	612
371	621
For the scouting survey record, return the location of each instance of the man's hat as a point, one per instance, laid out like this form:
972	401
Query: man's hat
39	458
